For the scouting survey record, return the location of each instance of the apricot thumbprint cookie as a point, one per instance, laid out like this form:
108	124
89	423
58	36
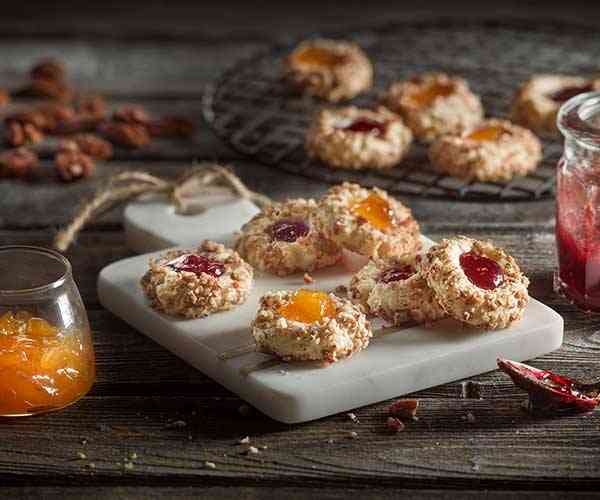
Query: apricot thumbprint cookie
331	69
309	325
434	104
369	222
494	150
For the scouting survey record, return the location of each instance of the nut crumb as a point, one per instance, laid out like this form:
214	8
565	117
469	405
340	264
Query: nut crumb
81	455
353	418
19	133
132	455
353	435
264	447
252	450
404	408
330	441
210	465
129	135
128	465
394	424
245	440
91	465
308	278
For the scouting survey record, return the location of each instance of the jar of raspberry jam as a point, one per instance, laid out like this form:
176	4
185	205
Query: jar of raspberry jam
578	202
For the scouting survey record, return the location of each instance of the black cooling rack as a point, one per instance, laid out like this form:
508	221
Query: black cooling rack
254	111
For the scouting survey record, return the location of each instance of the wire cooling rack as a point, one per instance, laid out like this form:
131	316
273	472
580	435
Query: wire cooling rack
252	109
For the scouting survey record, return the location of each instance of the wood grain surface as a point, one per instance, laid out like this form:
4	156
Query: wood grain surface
151	423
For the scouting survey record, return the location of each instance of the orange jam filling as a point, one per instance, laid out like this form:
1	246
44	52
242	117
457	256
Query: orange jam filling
317	56
40	367
375	210
425	96
486	134
308	306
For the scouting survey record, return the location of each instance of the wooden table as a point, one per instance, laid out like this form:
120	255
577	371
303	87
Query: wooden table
471	435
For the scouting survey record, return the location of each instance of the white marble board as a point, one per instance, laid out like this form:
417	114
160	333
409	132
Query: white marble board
394	364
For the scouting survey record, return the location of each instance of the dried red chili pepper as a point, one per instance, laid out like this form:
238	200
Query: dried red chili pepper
549	391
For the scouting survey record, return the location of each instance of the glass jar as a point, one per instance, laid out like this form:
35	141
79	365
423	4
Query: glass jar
46	354
578	202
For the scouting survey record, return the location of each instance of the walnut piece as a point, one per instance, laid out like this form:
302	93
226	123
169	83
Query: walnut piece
17	162
73	165
18	134
129	135
48	69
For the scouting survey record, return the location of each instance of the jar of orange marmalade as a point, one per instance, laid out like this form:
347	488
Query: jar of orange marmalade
578	202
46	354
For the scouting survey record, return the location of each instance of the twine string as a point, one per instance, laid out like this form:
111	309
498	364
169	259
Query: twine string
129	185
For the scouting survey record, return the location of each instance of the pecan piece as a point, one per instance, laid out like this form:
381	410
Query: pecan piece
56	116
50	89
404	408
18	133
34	117
4	98
48	69
172	126
93	106
132	114
93	146
17	162
72	165
126	134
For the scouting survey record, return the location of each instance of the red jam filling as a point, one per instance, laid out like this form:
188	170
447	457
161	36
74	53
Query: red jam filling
197	264
578	236
482	272
289	230
397	274
566	93
365	126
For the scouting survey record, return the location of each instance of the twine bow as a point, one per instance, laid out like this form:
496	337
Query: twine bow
188	194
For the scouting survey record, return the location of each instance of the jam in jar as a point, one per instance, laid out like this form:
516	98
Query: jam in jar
578	202
46	354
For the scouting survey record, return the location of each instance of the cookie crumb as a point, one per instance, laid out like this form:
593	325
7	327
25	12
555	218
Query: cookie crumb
210	465
308	278
245	440
252	450
81	455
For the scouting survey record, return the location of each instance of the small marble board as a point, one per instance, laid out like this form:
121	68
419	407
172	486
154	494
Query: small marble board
396	363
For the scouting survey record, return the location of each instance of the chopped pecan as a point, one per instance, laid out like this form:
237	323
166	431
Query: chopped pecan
18	134
395	424
132	114
50	89
34	117
126	134
404	408
56	116
17	162
48	69
72	165
4	98
93	146
172	126
93	106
